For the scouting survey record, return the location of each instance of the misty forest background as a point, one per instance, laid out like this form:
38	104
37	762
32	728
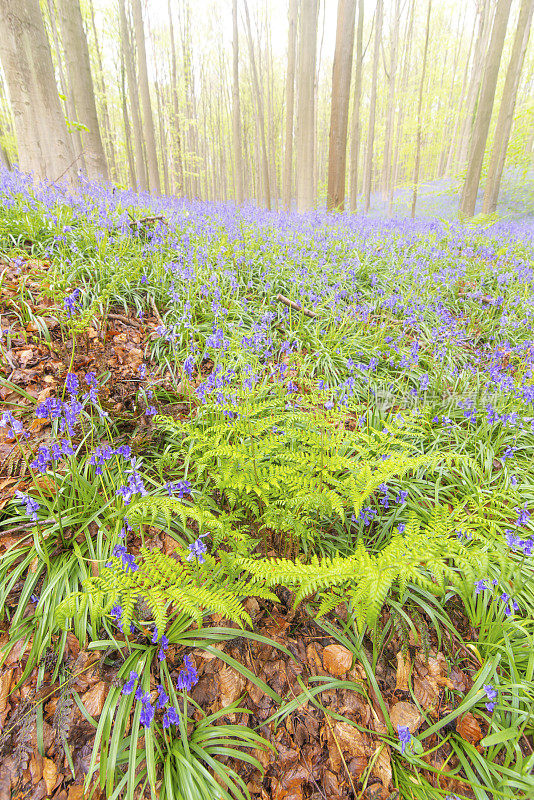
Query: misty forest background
301	103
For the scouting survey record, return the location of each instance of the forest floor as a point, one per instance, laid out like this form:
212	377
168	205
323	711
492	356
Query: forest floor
265	503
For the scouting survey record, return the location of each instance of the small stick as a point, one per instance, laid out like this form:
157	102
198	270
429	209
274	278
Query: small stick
156	312
291	304
124	318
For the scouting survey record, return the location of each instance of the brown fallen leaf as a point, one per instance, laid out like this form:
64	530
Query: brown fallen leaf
5	686
50	775
468	728
337	660
405	714
404	668
94	698
36	767
232	684
382	768
426	692
76	792
345	739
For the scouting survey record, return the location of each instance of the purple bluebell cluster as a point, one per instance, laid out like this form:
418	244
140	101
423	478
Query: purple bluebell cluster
32	506
197	550
492	695
405	737
187	678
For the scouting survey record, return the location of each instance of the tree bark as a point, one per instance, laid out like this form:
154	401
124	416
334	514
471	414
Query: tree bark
176	139
305	135
388	144
43	142
101	81
81	83
506	110
403	92
70	110
419	109
341	75
261	115
368	165
290	103
485	107
126	46
356	125
148	120
126	121
236	111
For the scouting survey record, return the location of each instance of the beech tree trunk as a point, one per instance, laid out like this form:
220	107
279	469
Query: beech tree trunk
126	121
140	166
176	139
408	38
305	134
506	110
419	109
485	107
70	110
356	125
341	75
388	144
261	115
44	145
236	110
101	88
368	165
81	83
290	103
148	120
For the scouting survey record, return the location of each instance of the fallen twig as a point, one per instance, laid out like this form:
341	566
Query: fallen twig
291	304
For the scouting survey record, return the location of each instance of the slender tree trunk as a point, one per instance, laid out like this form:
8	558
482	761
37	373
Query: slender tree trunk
454	140
388	144
486	13
81	83
126	44
193	180
127	136
43	142
485	107
305	138
419	109
70	110
403	93
103	94
236	111
506	111
368	165
341	75
356	124
290	103
261	115
148	120
176	143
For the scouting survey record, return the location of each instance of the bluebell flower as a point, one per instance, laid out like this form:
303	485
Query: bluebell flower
188	676
197	550
32	506
116	612
130	683
491	694
170	717
72	383
405	737
162	699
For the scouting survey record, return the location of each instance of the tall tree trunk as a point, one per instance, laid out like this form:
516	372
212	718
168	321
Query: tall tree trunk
43	142
126	45
486	13
305	135
176	143
66	91
454	139
261	115
81	83
419	109
388	144
193	181
290	103
126	121
408	38
485	107
148	120
506	111
368	165
101	81
356	118
236	110
341	75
